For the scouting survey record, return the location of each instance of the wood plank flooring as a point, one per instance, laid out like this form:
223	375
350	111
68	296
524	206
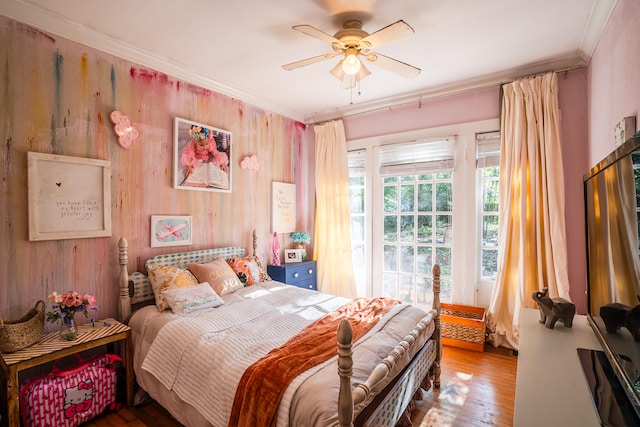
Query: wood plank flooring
478	389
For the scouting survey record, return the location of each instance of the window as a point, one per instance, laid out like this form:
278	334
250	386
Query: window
431	200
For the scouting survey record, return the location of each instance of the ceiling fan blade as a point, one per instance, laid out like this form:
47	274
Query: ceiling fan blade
393	65
308	61
388	34
314	32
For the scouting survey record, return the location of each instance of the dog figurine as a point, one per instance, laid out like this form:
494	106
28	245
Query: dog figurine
554	309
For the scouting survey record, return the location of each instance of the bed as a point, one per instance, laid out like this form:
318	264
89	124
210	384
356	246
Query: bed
238	362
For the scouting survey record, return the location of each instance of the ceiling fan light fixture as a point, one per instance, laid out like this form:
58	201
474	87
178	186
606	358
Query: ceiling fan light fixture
351	64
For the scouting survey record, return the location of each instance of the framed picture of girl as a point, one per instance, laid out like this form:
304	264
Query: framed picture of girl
202	157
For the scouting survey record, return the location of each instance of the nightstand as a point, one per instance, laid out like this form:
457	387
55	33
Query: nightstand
51	347
300	274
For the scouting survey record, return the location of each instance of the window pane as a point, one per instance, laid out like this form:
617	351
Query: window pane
356	180
445	289
425	229
428	177
406	289
444	197
489	264
407	228
491	172
424	262
407	201
357	251
390	180
406	259
390	199
490	230
356	200
406	178
443	258
390	258
491	195
390	228
444	175
357	228
389	286
443	229
425	197
423	291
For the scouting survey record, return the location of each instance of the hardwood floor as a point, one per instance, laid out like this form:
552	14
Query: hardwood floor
478	389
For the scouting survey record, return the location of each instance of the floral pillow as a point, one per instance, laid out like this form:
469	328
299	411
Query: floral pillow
192	298
164	278
249	269
218	274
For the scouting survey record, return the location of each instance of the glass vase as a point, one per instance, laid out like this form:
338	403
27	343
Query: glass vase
69	330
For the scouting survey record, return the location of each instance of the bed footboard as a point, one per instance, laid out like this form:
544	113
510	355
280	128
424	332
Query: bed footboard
399	395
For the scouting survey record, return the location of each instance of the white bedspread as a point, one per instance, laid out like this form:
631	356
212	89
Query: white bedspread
201	356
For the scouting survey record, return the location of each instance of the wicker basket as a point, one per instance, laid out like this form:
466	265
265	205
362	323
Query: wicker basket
18	334
463	326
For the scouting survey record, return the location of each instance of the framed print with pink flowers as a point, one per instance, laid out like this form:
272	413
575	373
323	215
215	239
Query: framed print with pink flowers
202	157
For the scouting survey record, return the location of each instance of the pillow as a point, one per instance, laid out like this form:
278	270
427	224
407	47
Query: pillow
164	278
192	298
249	269
218	274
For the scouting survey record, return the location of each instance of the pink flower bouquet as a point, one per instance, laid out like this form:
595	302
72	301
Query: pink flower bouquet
65	306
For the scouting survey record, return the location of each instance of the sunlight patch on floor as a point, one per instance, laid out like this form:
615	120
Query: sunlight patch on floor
451	396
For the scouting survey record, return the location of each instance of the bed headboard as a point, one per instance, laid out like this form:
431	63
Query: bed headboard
135	288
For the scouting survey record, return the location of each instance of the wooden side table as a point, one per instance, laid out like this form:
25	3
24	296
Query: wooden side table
51	347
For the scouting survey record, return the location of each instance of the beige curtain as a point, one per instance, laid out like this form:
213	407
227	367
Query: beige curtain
533	251
332	235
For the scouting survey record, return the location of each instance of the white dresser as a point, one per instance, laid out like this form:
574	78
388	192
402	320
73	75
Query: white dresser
551	387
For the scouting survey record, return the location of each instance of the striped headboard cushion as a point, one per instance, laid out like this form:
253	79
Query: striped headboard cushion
142	290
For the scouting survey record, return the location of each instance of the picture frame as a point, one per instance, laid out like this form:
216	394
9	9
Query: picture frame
283	207
292	255
202	157
68	197
170	230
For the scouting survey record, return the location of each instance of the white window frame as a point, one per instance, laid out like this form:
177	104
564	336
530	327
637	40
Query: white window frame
465	262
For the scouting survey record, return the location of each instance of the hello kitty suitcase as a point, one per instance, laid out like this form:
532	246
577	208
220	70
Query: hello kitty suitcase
67	398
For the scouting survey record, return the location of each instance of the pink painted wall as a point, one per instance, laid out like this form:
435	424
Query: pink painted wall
56	97
482	104
614	78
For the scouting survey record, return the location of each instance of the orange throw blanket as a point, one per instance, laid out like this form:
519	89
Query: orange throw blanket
263	383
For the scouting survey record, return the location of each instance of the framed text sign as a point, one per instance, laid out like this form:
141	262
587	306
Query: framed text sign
283	207
69	197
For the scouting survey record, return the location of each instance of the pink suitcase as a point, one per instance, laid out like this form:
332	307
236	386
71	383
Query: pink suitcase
67	398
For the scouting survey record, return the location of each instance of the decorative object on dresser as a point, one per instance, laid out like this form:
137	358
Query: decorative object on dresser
463	326
18	334
292	255
300	274
275	249
301	237
554	309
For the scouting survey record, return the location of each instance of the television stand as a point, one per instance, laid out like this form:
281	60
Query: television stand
551	387
609	397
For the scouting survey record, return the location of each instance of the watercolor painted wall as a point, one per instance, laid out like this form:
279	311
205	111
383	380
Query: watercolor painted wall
56	97
483	104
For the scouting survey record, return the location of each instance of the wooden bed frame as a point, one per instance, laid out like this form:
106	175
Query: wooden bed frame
387	408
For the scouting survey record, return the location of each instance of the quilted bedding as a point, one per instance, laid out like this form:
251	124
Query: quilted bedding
200	357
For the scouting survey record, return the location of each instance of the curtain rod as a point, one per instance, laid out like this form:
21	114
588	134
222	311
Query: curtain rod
564	70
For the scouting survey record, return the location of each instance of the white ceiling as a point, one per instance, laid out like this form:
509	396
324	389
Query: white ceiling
238	47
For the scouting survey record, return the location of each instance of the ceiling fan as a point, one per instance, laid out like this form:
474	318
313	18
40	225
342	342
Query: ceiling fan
353	43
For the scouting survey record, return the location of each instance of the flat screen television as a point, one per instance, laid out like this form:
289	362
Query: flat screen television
612	213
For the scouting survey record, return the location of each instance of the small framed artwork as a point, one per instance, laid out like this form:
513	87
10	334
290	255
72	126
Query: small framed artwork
170	230
202	157
283	207
293	255
69	197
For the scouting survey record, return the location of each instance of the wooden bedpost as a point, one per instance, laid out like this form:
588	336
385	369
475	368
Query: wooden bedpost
436	306
345	365
123	280
255	242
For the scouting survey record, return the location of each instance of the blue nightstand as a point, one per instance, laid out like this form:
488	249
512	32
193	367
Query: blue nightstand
300	274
